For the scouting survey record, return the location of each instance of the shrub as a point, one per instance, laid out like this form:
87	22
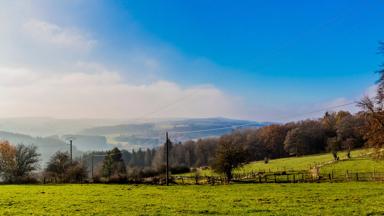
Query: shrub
180	169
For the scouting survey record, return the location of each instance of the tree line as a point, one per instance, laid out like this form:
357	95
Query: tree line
333	132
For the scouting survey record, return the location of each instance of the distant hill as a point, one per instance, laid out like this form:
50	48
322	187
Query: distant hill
88	142
47	146
151	134
50	135
42	126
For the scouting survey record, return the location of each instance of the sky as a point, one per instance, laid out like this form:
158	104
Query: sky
263	60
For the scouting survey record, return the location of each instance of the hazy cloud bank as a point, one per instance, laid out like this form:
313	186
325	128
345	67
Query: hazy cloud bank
103	94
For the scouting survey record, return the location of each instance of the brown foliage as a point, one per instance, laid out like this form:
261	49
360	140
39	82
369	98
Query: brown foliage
230	154
7	159
17	162
374	114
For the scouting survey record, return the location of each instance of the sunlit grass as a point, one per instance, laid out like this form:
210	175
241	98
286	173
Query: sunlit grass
238	199
300	163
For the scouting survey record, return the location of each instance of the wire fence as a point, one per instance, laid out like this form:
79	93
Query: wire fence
283	177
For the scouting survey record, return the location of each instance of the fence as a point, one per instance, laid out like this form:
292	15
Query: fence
282	177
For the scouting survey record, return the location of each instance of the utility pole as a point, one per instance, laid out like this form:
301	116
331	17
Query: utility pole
167	158
92	166
70	139
70	148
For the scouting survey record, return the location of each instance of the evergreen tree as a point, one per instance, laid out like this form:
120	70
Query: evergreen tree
113	164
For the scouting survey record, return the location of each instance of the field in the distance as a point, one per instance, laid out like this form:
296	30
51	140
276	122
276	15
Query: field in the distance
238	199
359	162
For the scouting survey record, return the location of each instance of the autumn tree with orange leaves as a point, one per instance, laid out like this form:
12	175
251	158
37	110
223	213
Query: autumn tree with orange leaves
374	113
17	162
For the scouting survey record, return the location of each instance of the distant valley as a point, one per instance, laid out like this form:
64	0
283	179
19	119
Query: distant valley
51	135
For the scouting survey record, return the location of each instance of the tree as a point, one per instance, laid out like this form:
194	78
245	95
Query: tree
329	122
58	165
7	160
77	171
62	169
307	138
205	151
272	138
349	132
230	154
114	164
333	145
17	162
27	160
374	113
332	123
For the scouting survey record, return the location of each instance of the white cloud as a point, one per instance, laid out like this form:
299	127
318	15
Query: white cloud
45	70
103	94
15	77
60	36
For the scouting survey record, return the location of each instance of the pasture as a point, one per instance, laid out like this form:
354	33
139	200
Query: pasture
237	199
358	163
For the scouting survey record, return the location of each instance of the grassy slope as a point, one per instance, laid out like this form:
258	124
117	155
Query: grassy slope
240	199
305	162
297	163
362	164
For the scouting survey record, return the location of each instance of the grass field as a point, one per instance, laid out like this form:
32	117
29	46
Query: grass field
297	163
305	162
239	199
360	164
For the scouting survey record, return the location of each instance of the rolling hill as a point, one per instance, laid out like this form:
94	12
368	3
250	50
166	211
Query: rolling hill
152	134
359	162
50	135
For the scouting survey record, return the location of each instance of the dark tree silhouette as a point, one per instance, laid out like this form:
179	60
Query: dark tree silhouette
230	154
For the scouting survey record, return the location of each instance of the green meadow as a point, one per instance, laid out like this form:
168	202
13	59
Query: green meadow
359	162
349	198
353	198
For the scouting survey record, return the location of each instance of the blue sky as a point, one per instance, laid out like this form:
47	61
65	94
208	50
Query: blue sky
251	59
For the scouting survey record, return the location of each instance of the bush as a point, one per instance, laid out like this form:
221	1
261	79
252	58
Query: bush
180	169
118	179
136	173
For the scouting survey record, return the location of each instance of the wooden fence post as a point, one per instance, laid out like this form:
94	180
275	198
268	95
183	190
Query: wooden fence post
346	175
373	175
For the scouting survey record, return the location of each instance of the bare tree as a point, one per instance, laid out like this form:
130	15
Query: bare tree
27	159
374	113
62	169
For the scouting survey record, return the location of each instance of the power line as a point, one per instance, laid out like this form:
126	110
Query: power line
276	51
168	105
322	110
256	123
284	43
